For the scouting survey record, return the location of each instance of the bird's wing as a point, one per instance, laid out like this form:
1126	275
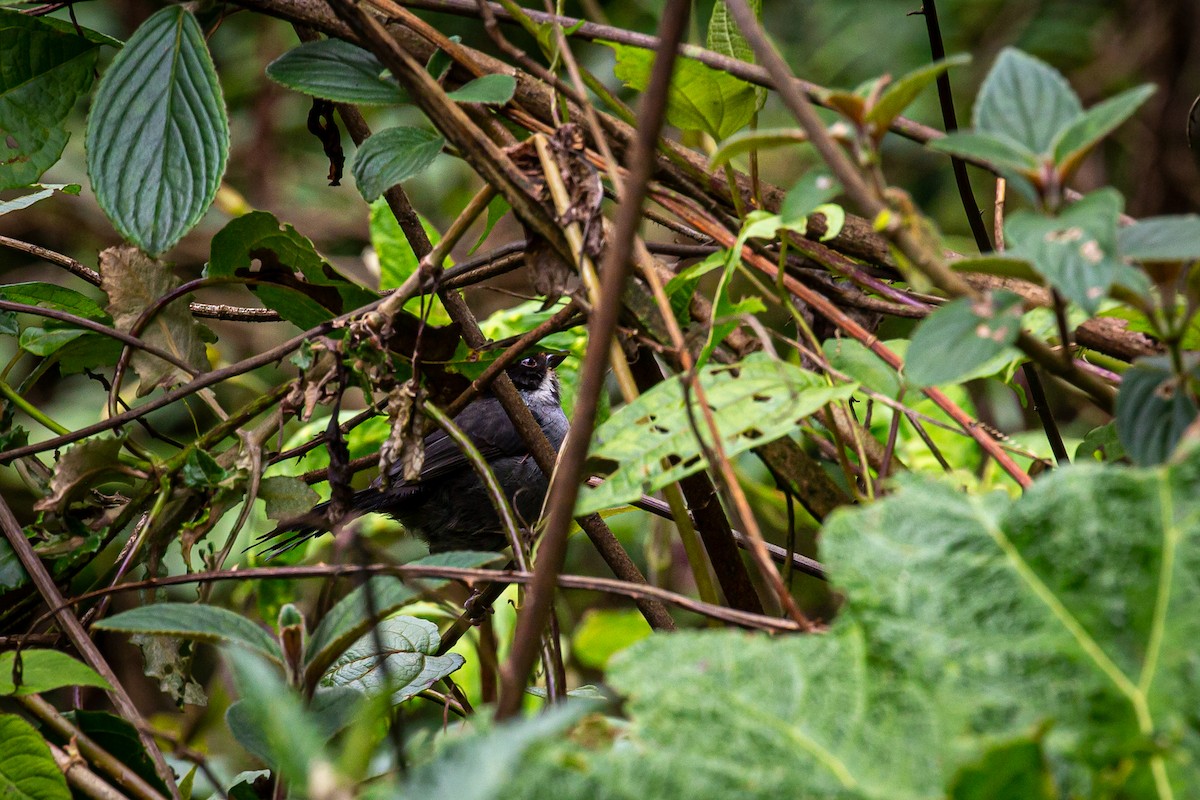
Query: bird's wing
486	424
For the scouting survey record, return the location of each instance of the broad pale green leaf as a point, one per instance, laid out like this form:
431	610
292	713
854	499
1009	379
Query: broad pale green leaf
1154	409
46	341
493	90
970	622
1076	252
336	70
700	98
754	140
134	283
765	400
285	496
1173	238
900	94
27	770
392	156
201	623
852	358
42	192
43	670
1025	100
44	69
303	287
959	337
157	136
1096	123
270	720
407	664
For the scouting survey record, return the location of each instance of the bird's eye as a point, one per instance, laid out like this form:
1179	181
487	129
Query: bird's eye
530	362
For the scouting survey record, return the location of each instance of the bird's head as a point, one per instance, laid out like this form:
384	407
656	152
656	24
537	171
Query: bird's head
534	374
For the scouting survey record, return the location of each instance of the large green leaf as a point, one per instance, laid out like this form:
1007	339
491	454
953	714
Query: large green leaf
407	664
44	68
43	670
1172	238
301	285
59	298
27	769
392	156
700	98
397	260
754	402
1025	100
1154	409
157	136
338	71
202	623
969	621
961	336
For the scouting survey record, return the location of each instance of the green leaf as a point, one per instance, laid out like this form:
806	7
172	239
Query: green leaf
303	287
28	770
493	90
496	210
1171	238
351	618
43	191
1100	444
43	71
1009	770
397	261
119	738
43	670
900	94
725	37
1076	251
197	622
812	191
764	401
1001	264
997	150
285	496
270	720
1154	409
44	342
479	765
407	664
1094	124
753	140
1027	101
336	70
392	156
157	136
962	335
12	574
700	98
602	633
201	471
851	357
60	298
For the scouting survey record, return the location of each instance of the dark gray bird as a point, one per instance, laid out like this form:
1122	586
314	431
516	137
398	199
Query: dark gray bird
447	504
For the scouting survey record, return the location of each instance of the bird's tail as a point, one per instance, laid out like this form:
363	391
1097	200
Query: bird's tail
293	532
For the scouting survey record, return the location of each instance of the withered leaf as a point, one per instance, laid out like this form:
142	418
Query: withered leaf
83	466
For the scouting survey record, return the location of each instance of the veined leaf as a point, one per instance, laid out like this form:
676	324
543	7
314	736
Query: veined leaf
338	71
1027	101
44	670
407	665
392	156
1154	409
28	770
199	622
959	337
754	402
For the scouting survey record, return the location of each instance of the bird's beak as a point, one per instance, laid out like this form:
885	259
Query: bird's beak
554	359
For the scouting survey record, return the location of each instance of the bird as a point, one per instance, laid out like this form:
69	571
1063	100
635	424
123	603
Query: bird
447	505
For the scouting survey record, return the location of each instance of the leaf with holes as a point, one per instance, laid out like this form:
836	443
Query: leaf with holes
1076	252
962	335
298	282
157	137
754	402
1154	408
337	71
